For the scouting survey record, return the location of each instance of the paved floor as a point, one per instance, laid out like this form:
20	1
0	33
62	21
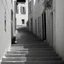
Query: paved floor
24	36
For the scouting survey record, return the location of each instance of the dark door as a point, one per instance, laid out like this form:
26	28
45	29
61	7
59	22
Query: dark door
23	21
44	25
11	23
51	28
31	24
15	23
36	26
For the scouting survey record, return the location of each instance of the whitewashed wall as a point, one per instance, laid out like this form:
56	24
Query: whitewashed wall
5	37
58	27
55	27
37	10
20	16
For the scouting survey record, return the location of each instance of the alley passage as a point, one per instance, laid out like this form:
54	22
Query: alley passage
30	50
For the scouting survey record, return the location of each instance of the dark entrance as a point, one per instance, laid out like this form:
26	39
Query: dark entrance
36	26
13	38
51	28
31	24
23	21
44	25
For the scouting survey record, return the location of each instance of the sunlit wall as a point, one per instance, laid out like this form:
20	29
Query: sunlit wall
5	26
20	16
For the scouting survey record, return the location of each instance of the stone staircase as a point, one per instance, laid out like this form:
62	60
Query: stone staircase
31	53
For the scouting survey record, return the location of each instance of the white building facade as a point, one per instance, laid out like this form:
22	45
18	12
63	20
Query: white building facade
22	15
5	26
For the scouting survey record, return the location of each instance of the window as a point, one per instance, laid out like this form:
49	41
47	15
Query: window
23	21
23	10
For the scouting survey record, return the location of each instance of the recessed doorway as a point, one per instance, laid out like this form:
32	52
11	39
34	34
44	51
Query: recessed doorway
23	21
44	25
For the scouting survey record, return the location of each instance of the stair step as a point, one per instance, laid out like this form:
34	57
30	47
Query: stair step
45	62
15	55
40	49
30	58
43	58
33	62
43	47
17	52
32	55
36	54
37	44
34	46
16	48
20	52
31	44
33	52
36	49
33	49
14	59
19	49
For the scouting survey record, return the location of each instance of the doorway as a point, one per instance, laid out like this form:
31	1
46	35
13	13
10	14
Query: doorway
36	26
11	24
31	24
23	21
15	23
51	28
44	25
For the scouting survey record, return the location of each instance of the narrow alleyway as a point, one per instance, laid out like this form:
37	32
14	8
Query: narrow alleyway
30	50
26	37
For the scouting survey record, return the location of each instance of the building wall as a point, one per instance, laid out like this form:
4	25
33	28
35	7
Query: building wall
37	10
54	23
51	25
20	16
5	28
58	27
